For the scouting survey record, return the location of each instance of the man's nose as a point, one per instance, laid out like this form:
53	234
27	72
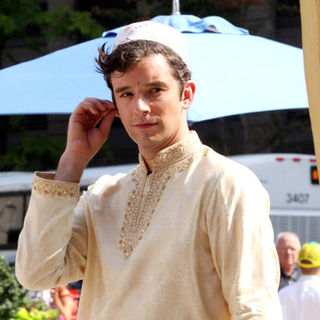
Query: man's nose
142	104
290	250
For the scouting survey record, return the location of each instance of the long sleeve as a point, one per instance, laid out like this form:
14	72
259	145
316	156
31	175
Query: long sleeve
241	239
52	243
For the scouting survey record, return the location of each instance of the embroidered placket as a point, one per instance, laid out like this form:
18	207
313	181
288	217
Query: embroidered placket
142	205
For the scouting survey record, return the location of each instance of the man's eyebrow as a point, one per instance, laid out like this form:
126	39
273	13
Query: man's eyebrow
157	83
121	89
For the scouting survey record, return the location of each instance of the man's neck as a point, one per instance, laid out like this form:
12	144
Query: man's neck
149	155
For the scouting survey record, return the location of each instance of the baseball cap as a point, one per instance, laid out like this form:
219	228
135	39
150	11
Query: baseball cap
154	31
309	255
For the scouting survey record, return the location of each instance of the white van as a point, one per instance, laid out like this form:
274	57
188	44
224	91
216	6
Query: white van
293	186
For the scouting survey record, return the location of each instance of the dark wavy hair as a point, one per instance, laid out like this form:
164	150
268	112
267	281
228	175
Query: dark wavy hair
132	52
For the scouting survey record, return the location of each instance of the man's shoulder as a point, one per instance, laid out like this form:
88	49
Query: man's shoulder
226	168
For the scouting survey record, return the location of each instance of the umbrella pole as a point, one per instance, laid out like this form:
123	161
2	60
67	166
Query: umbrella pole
176	7
310	22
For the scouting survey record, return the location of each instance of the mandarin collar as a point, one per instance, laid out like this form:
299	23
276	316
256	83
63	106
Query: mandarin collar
175	152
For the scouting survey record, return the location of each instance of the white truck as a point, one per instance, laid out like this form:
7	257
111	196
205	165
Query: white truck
293	186
290	179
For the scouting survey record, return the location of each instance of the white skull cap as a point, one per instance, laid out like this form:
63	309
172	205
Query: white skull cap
154	31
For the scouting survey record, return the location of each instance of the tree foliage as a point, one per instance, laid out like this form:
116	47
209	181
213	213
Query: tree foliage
126	11
26	20
28	152
31	153
12	295
204	8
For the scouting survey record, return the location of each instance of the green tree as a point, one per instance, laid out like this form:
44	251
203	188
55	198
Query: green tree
25	19
28	152
31	153
122	12
12	295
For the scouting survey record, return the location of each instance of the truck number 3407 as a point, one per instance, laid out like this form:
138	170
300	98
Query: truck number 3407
297	198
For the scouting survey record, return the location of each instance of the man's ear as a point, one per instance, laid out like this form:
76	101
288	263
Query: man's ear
188	94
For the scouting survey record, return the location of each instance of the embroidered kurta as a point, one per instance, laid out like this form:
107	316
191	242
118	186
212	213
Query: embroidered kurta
191	240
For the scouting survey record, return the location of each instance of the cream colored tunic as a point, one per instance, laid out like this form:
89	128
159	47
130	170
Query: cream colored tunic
191	240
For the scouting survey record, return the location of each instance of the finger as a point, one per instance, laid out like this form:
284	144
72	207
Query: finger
106	104
95	104
106	122
88	107
90	111
104	118
101	108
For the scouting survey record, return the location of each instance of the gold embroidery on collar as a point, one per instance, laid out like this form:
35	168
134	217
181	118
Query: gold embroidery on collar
55	189
137	221
177	151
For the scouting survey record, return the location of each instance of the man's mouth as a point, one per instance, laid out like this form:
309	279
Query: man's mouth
144	125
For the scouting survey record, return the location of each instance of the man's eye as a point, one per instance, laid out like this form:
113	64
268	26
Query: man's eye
126	94
155	90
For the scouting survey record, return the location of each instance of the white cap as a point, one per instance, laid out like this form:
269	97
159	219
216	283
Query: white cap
154	31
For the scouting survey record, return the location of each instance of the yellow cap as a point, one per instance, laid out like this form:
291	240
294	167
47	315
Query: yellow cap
309	255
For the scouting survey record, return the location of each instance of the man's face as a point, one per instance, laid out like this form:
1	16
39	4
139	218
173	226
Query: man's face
150	104
288	249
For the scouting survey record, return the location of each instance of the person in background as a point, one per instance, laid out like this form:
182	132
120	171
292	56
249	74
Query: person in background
66	301
301	300
46	295
288	246
185	235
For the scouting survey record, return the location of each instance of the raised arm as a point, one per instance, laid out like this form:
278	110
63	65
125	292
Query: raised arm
88	129
52	245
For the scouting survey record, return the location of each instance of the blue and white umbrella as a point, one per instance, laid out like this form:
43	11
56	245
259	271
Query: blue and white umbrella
234	71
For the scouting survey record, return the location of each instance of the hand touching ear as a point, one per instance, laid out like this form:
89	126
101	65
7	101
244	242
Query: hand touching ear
88	130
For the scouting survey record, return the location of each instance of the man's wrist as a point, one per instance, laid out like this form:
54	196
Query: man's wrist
69	169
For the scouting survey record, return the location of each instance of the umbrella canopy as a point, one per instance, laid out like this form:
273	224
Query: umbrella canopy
234	71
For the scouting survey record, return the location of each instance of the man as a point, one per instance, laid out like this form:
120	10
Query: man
288	246
185	235
301	300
